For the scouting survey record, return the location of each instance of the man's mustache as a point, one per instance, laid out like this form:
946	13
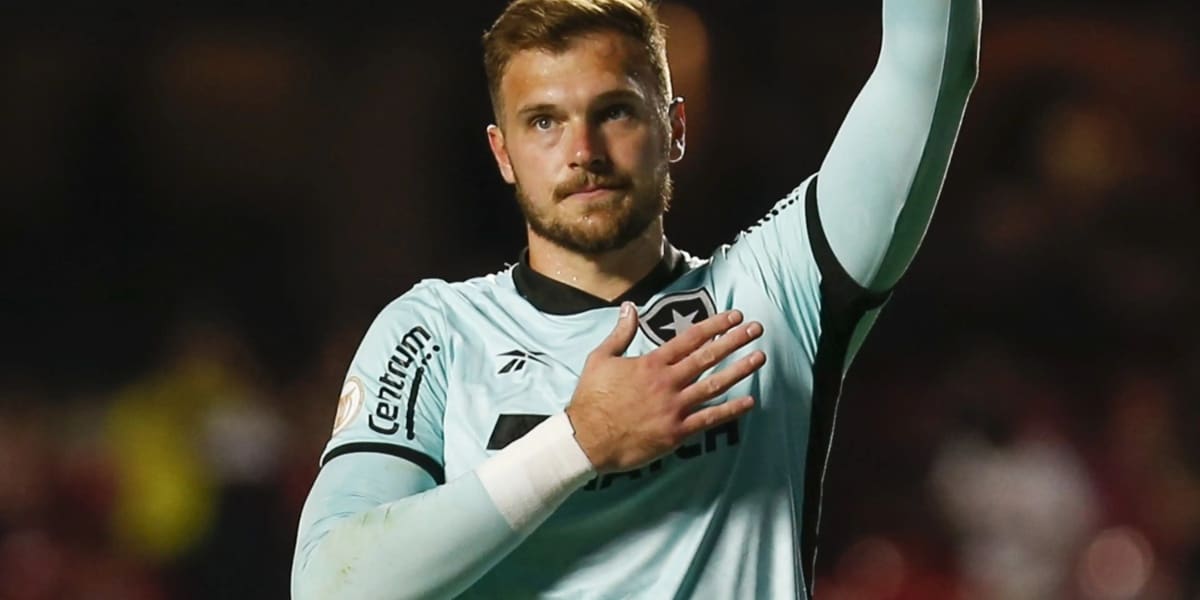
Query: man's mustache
589	182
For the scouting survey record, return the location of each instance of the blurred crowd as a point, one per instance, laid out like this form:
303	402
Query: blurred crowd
202	215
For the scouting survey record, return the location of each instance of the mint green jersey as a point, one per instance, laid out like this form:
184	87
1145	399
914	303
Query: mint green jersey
452	372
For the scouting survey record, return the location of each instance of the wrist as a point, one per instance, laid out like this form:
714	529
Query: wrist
585	437
532	476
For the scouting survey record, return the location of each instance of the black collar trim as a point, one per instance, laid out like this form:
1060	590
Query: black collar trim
556	298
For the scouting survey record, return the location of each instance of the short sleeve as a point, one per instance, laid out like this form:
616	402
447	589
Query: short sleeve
788	253
394	397
776	252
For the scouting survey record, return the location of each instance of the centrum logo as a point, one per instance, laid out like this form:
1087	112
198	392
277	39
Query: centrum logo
401	382
517	360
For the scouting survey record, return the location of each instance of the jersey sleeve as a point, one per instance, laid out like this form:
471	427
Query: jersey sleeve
852	233
394	397
788	254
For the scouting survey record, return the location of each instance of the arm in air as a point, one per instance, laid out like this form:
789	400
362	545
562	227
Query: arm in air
881	179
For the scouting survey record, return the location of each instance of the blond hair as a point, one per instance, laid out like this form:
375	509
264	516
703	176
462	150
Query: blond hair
551	25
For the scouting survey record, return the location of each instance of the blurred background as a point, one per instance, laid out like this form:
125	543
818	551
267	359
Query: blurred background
203	207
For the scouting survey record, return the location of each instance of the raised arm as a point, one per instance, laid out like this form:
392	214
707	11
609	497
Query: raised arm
880	182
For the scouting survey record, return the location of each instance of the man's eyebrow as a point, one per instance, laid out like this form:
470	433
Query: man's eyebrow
534	109
604	97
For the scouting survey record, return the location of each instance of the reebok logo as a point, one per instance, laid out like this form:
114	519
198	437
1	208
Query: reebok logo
518	358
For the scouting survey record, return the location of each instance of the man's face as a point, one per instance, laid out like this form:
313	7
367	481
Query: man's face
584	138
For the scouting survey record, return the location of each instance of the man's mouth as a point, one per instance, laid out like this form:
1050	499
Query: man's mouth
592	191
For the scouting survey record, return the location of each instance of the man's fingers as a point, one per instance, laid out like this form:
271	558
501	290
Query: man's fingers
715	351
696	335
622	335
720	414
718	383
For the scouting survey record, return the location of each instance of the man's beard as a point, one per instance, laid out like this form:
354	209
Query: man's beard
626	218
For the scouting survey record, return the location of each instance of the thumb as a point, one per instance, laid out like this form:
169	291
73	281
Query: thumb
622	335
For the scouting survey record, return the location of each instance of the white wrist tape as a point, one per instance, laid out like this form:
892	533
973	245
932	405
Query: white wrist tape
530	477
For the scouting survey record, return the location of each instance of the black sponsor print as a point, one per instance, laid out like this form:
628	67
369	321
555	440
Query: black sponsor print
731	431
510	428
415	349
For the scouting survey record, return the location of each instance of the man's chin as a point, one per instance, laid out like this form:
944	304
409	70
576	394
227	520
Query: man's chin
592	243
594	226
592	238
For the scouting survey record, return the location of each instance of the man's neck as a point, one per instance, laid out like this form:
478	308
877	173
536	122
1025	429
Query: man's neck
606	275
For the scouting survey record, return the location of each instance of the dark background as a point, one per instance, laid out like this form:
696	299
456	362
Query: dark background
202	208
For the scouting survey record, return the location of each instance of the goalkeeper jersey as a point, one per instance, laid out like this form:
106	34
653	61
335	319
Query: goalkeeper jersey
450	373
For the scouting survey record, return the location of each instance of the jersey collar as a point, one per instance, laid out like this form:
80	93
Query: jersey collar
556	298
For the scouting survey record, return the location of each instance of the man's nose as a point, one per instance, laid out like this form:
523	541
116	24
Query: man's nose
587	148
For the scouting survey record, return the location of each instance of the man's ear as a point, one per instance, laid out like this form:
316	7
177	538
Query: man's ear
678	118
500	153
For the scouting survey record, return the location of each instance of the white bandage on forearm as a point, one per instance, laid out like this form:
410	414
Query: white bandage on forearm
533	475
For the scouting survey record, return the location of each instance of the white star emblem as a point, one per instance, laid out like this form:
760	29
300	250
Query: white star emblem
681	323
686	309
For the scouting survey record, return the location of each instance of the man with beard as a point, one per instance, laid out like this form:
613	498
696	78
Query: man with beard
501	438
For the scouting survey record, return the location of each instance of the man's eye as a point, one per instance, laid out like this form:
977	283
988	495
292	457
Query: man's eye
542	123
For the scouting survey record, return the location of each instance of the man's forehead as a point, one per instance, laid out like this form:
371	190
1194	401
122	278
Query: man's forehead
601	61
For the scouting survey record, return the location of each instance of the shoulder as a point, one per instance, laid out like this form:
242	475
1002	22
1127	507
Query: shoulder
694	262
437	301
785	227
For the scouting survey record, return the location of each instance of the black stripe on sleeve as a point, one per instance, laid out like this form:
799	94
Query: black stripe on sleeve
416	457
843	304
843	286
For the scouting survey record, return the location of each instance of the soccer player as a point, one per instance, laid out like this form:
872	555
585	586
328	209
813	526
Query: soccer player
601	420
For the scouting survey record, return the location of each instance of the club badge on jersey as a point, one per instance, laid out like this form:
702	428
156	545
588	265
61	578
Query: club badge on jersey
673	314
